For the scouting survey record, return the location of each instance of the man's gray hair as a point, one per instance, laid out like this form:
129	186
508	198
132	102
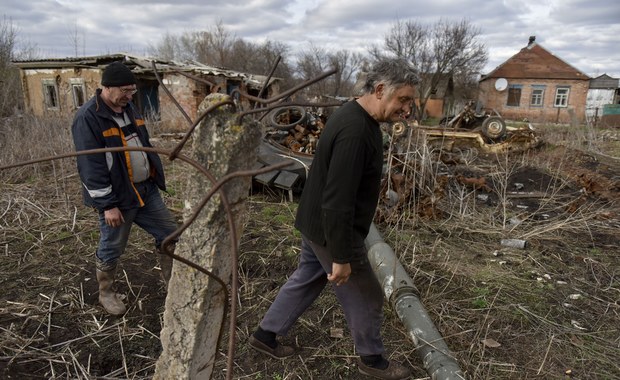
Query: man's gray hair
392	72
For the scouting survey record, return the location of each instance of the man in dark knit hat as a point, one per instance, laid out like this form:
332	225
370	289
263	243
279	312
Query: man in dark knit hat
123	187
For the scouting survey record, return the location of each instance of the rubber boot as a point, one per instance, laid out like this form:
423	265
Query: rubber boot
107	296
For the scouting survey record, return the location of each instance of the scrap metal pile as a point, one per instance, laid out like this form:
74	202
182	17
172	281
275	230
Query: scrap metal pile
292	133
296	128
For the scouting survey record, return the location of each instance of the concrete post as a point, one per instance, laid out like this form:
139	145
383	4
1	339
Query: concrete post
195	302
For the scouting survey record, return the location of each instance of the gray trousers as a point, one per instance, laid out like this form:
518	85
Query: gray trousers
361	297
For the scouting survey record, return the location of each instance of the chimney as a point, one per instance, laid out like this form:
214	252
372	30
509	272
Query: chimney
532	39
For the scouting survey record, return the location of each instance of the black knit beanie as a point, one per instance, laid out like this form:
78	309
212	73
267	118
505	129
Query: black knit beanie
116	74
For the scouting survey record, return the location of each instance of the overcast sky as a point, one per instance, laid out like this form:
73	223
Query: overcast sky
584	33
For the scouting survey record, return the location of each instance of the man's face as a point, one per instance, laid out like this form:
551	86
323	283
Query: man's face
120	96
396	105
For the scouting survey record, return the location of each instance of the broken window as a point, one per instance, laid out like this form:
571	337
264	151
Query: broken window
514	95
50	94
561	97
538	94
78	91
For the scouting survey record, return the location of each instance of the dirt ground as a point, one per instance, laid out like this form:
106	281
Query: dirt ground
549	311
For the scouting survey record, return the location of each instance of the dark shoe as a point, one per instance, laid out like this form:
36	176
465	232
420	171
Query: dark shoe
394	371
279	352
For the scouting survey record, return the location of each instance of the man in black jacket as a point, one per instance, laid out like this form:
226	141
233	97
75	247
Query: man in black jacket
122	186
334	215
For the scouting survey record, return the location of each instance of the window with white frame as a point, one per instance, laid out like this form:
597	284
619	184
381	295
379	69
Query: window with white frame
537	97
561	97
50	94
78	91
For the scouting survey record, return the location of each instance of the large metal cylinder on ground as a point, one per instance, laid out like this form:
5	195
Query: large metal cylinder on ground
399	289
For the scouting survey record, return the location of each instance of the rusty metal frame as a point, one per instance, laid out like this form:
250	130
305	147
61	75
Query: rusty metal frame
520	139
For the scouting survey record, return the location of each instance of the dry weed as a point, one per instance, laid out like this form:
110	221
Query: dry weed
548	311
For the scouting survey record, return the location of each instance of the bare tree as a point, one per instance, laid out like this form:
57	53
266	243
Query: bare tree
195	46
168	48
9	74
259	59
311	62
347	64
76	39
267	54
212	47
438	51
217	47
8	35
315	60
221	45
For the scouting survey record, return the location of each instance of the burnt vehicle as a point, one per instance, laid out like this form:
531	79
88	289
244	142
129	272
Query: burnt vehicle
515	139
488	122
481	129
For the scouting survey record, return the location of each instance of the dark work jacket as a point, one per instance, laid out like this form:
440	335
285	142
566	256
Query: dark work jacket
106	177
340	196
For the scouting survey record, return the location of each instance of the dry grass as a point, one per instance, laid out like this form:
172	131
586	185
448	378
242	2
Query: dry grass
48	318
550	311
554	307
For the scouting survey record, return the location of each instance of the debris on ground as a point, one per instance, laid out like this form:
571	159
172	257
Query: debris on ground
292	134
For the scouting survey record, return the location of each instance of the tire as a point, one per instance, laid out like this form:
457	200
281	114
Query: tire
494	128
398	128
296	114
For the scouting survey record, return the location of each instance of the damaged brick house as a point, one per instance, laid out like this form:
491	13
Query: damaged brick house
537	86
59	86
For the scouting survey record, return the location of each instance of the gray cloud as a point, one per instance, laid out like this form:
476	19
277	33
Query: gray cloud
581	32
586	12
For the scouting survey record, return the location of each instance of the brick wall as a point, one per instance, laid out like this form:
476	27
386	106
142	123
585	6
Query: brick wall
574	112
34	90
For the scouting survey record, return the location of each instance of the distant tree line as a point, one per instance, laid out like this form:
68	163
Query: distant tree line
11	99
439	50
10	89
219	48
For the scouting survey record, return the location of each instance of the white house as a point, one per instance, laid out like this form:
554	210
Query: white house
603	90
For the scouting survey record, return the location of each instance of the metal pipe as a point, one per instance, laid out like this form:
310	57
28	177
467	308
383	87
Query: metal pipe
399	289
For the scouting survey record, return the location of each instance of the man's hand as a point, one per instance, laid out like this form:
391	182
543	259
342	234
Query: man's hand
113	217
340	273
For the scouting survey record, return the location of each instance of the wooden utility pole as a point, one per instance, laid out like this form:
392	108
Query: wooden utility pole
195	303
